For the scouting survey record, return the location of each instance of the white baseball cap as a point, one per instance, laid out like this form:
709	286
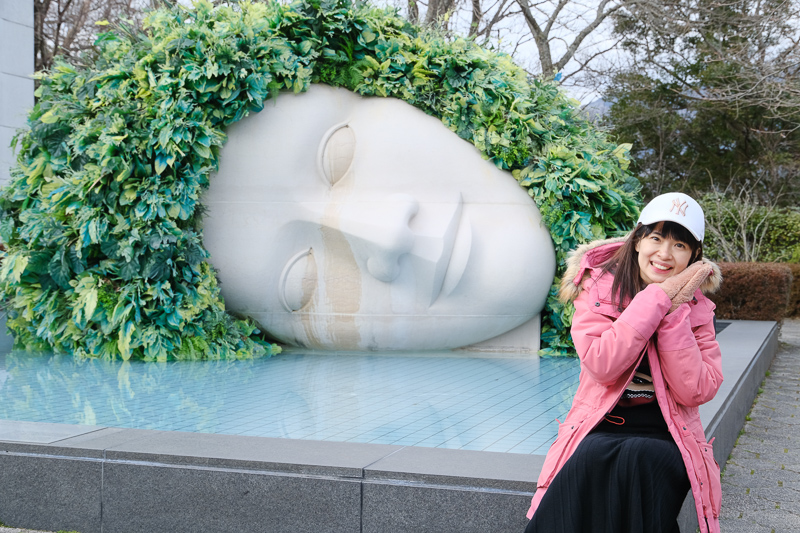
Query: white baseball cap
676	207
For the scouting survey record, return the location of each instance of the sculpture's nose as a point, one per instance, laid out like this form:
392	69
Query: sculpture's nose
379	232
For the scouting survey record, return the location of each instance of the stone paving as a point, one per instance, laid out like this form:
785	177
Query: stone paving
761	480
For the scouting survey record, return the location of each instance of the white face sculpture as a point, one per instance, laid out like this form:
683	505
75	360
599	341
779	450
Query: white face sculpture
351	223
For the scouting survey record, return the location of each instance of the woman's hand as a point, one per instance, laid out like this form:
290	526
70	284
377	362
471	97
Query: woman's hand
681	287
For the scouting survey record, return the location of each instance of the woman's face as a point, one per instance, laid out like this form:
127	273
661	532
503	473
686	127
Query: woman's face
342	222
661	257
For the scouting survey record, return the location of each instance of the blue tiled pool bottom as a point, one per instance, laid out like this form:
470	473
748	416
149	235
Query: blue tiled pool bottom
454	400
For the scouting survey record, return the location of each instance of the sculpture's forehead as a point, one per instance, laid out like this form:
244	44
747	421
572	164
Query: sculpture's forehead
394	144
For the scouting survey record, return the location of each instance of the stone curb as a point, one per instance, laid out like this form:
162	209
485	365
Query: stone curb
16	530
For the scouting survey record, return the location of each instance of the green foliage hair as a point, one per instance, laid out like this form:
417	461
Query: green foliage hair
102	221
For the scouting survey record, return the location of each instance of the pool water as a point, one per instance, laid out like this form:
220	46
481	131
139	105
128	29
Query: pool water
456	400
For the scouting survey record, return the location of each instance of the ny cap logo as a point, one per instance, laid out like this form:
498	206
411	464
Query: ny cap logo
680	206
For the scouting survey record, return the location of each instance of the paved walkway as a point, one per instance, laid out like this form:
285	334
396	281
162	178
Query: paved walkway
761	481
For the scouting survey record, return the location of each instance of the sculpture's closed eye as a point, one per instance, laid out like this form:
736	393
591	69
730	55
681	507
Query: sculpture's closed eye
298	281
336	152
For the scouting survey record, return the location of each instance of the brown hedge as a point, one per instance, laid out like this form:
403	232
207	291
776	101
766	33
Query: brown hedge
793	309
753	291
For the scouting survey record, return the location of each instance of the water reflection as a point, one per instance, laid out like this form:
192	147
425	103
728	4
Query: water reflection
60	388
447	400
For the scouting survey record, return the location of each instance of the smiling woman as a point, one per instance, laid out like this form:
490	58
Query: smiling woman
661	255
633	444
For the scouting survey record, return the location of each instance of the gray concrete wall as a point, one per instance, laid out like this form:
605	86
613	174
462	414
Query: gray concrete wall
107	480
16	68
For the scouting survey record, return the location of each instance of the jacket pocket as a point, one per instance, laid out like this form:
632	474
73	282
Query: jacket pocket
712	476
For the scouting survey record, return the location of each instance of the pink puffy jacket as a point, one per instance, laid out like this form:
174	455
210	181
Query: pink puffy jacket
684	360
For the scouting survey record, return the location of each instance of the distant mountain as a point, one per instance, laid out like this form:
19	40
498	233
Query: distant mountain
596	109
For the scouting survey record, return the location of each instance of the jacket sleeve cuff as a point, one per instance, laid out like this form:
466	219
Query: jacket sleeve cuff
646	310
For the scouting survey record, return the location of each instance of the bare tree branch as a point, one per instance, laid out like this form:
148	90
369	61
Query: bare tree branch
565	22
67	27
603	11
584	63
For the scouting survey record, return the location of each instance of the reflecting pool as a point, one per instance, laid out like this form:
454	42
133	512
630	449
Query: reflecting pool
471	401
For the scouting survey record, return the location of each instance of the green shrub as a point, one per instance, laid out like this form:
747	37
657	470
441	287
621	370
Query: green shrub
753	291
102	220
739	229
783	236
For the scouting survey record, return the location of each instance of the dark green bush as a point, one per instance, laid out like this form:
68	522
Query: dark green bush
102	221
783	236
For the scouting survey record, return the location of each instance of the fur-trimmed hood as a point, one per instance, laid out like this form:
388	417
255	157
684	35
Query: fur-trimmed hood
592	255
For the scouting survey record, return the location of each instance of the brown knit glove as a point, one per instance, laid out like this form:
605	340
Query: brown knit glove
681	287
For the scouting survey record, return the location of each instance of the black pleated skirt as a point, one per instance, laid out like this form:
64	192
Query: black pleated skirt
622	478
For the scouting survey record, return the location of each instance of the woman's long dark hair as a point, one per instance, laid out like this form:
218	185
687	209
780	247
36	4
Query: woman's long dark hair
624	264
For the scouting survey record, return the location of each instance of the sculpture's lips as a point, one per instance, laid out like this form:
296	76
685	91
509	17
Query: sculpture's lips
455	255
